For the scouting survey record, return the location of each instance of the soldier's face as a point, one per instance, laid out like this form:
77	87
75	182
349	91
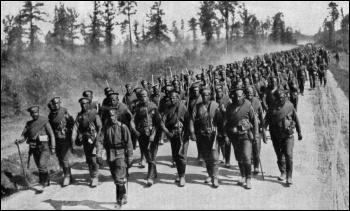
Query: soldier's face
112	115
196	91
274	82
250	94
255	77
128	90
144	97
173	98
34	114
205	96
246	82
113	100
156	91
55	105
219	92
84	106
238	97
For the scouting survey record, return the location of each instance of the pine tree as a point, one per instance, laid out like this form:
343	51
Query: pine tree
96	24
73	26
14	31
30	14
176	33
334	14
137	34
192	24
127	8
109	16
278	28
206	18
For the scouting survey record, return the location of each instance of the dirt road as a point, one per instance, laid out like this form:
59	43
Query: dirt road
165	194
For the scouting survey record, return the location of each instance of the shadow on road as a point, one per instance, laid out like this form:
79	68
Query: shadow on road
57	205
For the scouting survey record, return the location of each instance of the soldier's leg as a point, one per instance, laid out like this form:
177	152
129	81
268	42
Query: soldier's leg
94	170
325	79
236	146
150	154
227	155
65	155
288	147
246	159
281	162
214	163
36	156
182	158
256	154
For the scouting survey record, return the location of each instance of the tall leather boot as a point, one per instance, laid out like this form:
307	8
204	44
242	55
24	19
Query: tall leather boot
227	155
241	169
215	174
181	172
282	168
151	174
210	173
94	175
66	177
119	197
40	188
248	174
123	194
289	167
223	151
47	179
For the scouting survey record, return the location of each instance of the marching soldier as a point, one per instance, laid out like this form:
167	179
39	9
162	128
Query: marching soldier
242	128
205	125
173	125
302	77
282	119
41	139
87	128
89	95
259	113
223	100
129	96
322	73
313	69
157	95
268	97
147	121
294	90
116	140
62	124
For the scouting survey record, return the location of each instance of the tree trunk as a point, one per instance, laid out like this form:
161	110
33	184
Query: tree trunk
130	33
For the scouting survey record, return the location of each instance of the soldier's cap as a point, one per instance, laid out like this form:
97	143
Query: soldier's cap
107	89
196	84
33	108
205	89
112	108
233	91
137	89
87	93
237	86
155	86
170	87
53	99
128	85
113	94
199	75
218	86
143	81
173	92
176	82
84	100
272	77
279	93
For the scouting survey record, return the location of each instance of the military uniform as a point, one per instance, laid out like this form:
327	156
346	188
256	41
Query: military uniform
301	76
313	69
87	128
241	128
128	99
294	92
282	121
322	74
147	121
62	124
116	140
41	140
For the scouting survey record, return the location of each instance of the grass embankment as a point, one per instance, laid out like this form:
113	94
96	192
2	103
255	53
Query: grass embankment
341	73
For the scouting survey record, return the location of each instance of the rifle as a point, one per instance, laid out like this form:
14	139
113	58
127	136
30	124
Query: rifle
107	84
127	159
23	168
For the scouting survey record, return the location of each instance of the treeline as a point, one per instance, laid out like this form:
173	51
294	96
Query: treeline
215	18
328	35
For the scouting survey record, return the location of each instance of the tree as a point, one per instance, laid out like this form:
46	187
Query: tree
96	24
137	34
278	28
206	18
182	31
127	8
334	14
14	31
30	14
109	16
157	30
250	25
73	27
217	28
265	27
60	26
176	33
192	23
226	8
345	29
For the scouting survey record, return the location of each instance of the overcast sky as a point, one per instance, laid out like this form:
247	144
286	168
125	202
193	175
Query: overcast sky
307	16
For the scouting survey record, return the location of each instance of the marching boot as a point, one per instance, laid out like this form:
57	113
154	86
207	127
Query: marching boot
182	175
282	167
47	179
289	173
215	180
119	197
66	177
243	179
227	156
40	188
142	161
210	173
151	174
248	174
94	182
124	197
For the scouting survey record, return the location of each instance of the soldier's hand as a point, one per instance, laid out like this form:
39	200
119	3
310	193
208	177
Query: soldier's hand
99	160
300	137
53	151
227	141
170	135
193	137
264	138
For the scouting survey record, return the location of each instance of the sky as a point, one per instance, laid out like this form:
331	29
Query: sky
306	16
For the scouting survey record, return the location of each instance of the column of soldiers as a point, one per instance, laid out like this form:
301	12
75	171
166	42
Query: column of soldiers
223	106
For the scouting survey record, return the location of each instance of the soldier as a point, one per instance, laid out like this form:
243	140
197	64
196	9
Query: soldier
116	139
313	69
259	85
282	119
205	125
41	139
147	121
322	73
337	57
223	100
105	101
87	128
62	124
129	96
195	99
259	113
302	77
242	128
157	95
268	97
89	95
294	90
173	126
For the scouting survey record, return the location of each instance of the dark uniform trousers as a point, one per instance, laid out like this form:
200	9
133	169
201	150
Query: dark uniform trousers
242	147
149	150
91	159
283	146
323	78
118	171
225	148
312	78
294	99
41	154
63	152
211	156
256	147
301	82
179	153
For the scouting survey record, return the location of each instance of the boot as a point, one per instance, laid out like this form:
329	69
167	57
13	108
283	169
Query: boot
207	180
66	177
215	174
256	169
46	179
119	196
248	174
289	173
227	156
124	197
142	161
94	182
40	188
181	170
215	182
282	167
243	179
151	174
210	173
182	181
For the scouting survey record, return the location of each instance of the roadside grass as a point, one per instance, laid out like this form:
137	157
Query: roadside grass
341	73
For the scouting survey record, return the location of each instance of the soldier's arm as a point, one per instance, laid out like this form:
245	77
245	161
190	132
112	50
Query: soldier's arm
75	132
51	135
192	118
99	142
23	135
98	125
127	138
264	104
218	121
253	119
70	123
296	120
131	120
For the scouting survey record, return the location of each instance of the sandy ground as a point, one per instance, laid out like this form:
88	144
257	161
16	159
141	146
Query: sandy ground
165	194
